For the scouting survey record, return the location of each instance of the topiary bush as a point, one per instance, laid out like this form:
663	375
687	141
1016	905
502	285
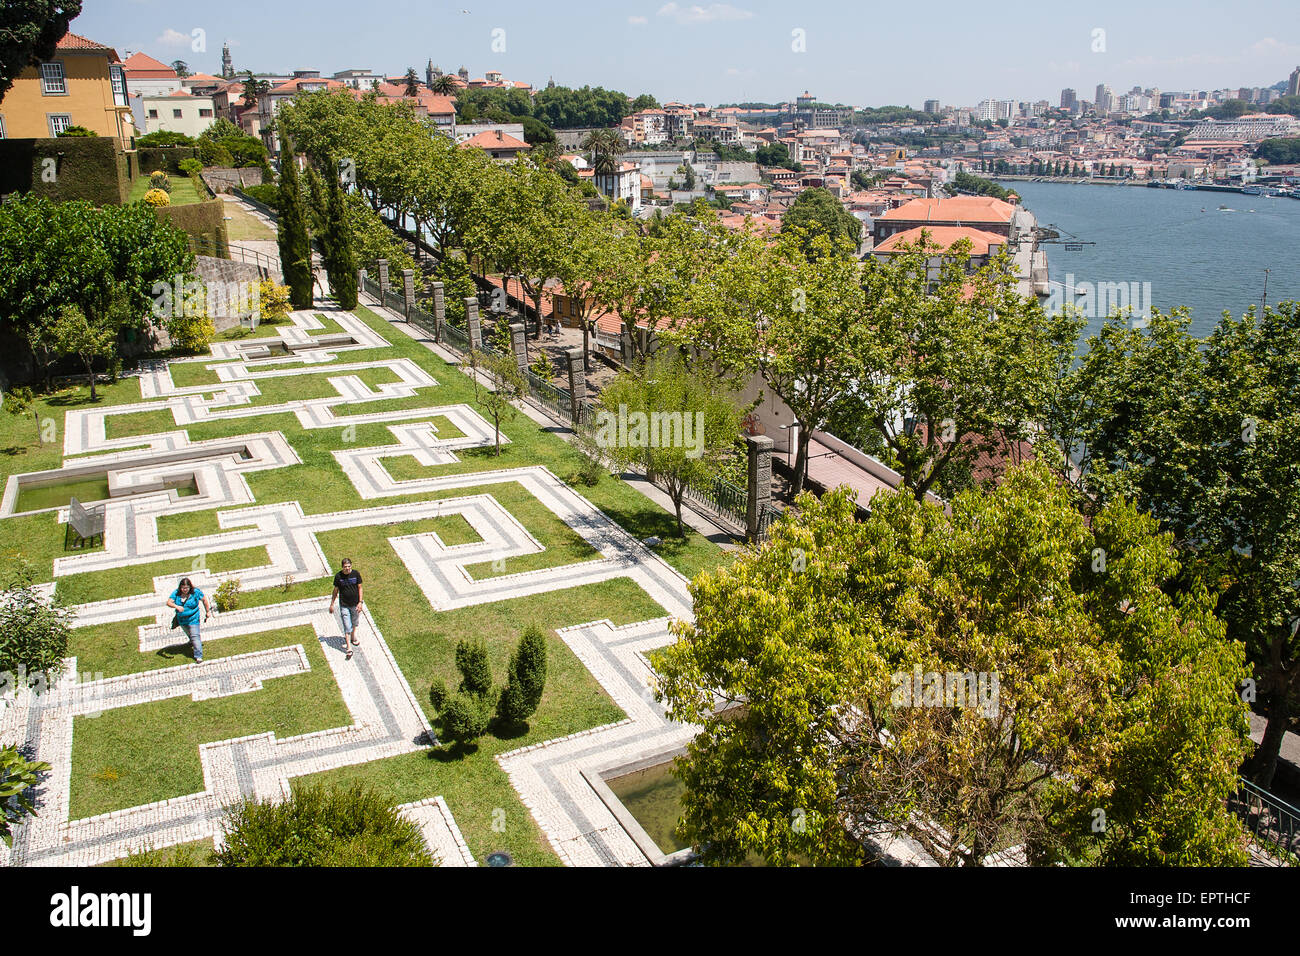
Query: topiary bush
160	180
320	826
466	717
157	197
475	671
190	167
527	681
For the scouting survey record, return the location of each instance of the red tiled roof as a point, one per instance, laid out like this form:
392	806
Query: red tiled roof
142	66
943	237
71	41
494	139
957	209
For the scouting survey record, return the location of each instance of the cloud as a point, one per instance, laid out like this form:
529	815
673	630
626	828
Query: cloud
698	14
638	21
171	38
1270	46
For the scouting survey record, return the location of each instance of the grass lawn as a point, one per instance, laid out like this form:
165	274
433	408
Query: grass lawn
133	755
149	752
183	192
242	225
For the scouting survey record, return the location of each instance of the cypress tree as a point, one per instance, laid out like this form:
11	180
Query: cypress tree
475	671
295	246
340	263
527	680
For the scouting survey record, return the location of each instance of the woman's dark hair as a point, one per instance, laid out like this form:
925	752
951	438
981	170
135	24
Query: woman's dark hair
185	583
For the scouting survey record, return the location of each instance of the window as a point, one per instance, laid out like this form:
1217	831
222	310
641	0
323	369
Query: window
52	81
153	114
118	77
176	114
203	112
59	122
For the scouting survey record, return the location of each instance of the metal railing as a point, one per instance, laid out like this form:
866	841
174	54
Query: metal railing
1273	821
723	498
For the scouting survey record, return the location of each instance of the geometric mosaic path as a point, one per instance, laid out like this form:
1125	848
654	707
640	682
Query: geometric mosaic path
386	718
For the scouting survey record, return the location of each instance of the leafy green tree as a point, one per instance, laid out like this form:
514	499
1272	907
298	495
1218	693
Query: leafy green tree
34	630
340	263
774	154
1279	151
295	246
18	776
321	826
29	30
1200	434
527	678
816	212
467	713
687	420
835	743
254	89
606	147
508	386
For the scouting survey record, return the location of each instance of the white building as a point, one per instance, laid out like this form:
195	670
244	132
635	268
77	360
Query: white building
624	184
179	112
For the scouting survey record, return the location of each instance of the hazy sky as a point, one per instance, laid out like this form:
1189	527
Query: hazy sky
862	53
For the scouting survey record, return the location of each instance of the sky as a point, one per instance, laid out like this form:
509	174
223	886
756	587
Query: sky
861	53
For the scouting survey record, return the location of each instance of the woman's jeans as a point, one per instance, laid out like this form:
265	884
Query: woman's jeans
196	642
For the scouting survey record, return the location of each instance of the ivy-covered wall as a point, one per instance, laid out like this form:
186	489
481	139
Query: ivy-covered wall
64	168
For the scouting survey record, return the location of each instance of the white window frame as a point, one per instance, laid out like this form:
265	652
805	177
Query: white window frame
51	71
117	79
55	130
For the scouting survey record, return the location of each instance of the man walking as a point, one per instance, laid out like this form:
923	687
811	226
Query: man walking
347	591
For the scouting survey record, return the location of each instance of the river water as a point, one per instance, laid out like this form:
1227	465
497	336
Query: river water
1168	247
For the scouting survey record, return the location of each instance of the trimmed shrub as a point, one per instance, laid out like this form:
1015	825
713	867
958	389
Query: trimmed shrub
160	180
475	671
157	197
465	717
78	131
190	167
527	681
164	137
214	154
191	333
268	194
319	826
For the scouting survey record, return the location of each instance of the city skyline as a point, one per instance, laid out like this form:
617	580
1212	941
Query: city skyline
724	52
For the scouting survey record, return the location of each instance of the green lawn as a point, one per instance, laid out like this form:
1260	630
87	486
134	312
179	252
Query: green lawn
149	752
182	193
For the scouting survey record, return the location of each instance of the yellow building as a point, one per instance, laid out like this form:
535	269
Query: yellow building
82	85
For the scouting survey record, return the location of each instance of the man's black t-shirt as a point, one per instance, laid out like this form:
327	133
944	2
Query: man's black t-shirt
349	586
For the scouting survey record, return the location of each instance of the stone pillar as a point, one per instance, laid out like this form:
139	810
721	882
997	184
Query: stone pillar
577	382
472	322
439	311
361	281
383	278
408	291
759	448
518	345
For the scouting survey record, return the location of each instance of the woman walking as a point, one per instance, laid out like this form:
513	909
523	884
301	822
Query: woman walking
187	599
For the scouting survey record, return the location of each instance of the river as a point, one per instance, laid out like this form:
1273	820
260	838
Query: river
1168	247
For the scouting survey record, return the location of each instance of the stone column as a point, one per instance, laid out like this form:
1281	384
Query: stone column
759	448
361	281
518	345
577	382
439	311
472	322
383	278
408	291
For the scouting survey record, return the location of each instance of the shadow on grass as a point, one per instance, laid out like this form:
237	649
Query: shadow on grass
175	650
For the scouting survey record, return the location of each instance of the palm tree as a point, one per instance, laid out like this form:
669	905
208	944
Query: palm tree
605	146
443	85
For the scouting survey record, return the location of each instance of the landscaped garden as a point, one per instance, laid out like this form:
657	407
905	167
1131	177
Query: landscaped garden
149	751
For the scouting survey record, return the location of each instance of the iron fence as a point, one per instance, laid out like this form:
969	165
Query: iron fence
1273	821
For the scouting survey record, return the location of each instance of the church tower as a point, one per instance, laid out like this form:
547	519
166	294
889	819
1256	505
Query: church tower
227	68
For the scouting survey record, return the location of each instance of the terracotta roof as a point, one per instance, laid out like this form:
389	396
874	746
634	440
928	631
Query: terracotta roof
71	41
142	66
957	209
204	78
943	237
494	139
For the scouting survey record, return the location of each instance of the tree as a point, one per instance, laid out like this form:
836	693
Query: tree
584	262
1201	435
29	31
675	422
254	89
444	85
295	246
340	263
18	776
817	212
321	826
181	67
34	630
688	179
527	678
466	714
605	147
412	83
774	154
508	386
1038	683
939	386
